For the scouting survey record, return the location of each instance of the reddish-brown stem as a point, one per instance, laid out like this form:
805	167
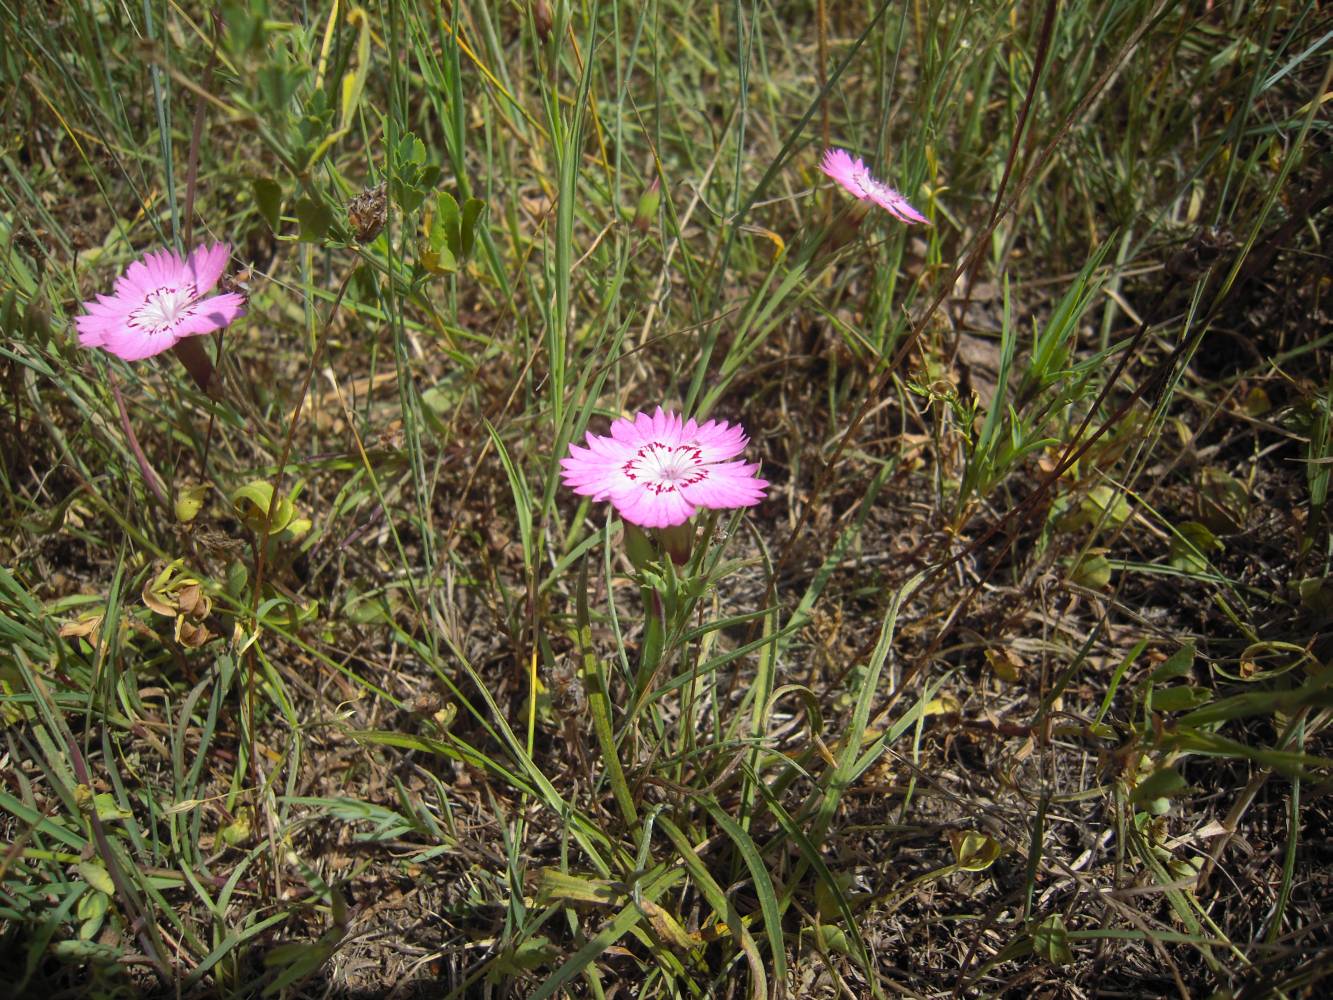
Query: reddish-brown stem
150	477
191	186
196	135
821	17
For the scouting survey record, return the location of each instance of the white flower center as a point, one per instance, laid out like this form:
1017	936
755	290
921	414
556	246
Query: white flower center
661	468
864	181
164	308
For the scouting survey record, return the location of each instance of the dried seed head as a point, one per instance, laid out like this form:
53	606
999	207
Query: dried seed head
191	635
368	212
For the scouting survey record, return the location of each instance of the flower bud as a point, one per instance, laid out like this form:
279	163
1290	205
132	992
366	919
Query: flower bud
677	540
37	320
648	205
845	226
542	20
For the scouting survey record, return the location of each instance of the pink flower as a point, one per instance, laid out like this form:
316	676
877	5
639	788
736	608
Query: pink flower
160	300
657	471
855	176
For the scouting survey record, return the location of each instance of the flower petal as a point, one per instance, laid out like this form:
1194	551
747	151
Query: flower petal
732	484
895	204
643	506
838	164
626	430
857	179
718	441
209	315
134	343
205	265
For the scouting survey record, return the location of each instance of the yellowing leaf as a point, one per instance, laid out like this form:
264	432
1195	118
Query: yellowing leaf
1092	571
354	82
189	501
666	927
1007	667
1256	402
86	626
945	704
973	851
238	830
554	884
97	876
108	808
1190	547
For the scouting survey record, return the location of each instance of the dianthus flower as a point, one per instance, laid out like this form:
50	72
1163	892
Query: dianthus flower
855	176
657	471
160	300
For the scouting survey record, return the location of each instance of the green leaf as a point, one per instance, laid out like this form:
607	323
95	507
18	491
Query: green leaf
447	220
411	150
1178	699
518	486
1050	940
1316	692
84	951
1105	505
437	260
1190	546
277	84
472	209
411	176
108	808
833	938
314	219
554	885
300	959
9	312
1224	501
1178	664
527	955
96	875
593	675
91	912
763	886
1092	571
722	905
238	830
238	578
650	887
1161	784
268	199
252	501
1316	593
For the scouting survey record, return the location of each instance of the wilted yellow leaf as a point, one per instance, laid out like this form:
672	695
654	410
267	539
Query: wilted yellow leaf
1006	666
945	704
973	851
666	927
189	501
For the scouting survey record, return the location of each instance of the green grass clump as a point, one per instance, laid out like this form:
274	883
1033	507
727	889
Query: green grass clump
320	681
